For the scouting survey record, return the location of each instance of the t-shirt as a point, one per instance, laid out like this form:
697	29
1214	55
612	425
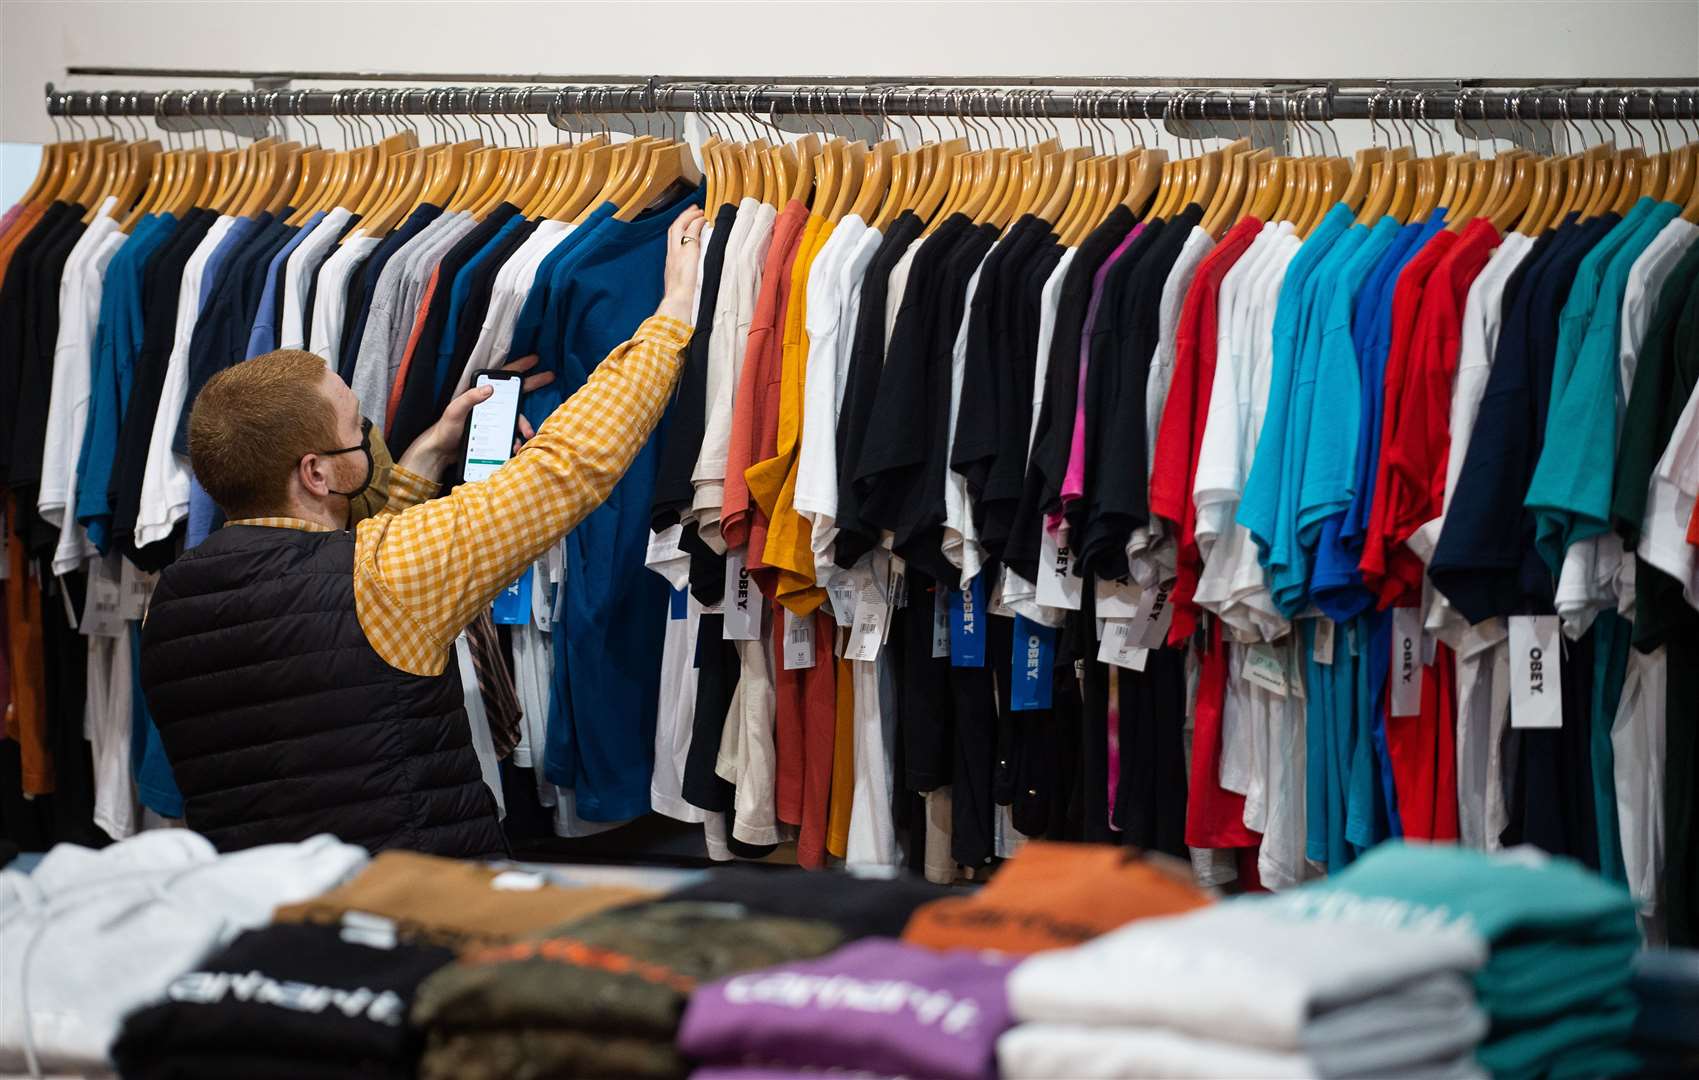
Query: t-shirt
263	335
330	305
300	272
370	379
363	284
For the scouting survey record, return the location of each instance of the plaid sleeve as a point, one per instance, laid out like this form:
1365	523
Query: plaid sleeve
422	574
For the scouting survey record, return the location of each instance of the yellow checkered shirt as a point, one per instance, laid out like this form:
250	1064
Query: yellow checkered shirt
424	567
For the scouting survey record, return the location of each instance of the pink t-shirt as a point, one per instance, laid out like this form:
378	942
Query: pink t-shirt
1073	481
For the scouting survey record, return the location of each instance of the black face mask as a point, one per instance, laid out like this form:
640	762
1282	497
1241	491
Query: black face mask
365	447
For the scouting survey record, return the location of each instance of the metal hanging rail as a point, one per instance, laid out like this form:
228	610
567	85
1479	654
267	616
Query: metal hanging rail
1057	98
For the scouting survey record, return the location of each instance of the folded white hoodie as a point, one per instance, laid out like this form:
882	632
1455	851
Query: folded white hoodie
92	935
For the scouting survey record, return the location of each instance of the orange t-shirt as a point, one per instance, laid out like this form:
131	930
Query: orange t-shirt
1055	896
407	356
843	759
26	711
754	416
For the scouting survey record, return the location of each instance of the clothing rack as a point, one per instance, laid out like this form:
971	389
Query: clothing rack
1547	101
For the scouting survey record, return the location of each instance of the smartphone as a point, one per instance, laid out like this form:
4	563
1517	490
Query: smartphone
494	422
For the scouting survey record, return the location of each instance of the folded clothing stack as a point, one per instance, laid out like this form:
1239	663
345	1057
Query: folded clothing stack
599	997
858	906
90	935
313	1002
1055	896
456	904
877	1006
1239	990
1561	941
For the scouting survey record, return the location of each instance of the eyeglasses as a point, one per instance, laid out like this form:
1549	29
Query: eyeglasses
365	441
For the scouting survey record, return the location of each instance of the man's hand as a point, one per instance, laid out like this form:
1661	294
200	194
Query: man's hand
433	451
684	254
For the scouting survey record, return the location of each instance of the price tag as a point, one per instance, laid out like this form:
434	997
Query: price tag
742	602
940	623
136	588
1322	651
967	625
512	606
1406	661
868	633
1117	599
1266	667
841	592
799	641
1118	646
102	606
1153	616
1034	661
1058	587
1536	665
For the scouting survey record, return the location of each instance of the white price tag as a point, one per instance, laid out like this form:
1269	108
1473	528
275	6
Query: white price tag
940	623
841	592
1266	667
103	614
868	634
1153	617
1536	664
742	602
1120	645
1406	672
1322	653
1117	599
799	641
1057	585
136	588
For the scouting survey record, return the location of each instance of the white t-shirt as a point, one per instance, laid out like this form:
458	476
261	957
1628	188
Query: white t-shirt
507	295
831	327
73	350
1669	505
1232	584
330	300
1014	594
165	477
1637	746
734	311
1150	551
873	834
106	724
299	273
747	756
675	714
961	537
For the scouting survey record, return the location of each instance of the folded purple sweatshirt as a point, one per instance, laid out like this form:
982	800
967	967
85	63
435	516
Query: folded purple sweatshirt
875	1005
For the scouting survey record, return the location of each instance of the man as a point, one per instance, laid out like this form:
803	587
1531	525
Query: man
298	665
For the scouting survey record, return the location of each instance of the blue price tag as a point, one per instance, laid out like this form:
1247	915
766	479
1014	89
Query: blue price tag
1035	658
680	604
967	625
512	606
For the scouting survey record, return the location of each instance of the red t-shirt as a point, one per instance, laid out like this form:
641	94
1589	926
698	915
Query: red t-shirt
1423	749
804	734
1215	817
755	406
1416	458
1174	459
1406	302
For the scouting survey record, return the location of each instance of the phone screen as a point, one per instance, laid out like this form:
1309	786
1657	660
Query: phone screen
489	434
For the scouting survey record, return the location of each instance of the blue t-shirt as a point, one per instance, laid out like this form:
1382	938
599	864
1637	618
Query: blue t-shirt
156	784
528	327
1260	506
240	231
117	341
263	337
600	738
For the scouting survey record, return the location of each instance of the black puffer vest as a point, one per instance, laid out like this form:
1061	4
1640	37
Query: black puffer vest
280	719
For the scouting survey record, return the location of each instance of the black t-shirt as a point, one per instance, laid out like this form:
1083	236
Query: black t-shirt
162	283
363	283
1017	361
17	323
221	1010
1042	487
687	419
856	536
417	409
860	907
1486	563
901	473
1116	455
41	321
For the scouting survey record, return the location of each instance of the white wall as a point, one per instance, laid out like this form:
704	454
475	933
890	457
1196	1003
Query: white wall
1272	39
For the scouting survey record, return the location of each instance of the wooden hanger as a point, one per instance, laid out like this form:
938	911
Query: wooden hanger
1230	194
669	164
1514	205
946	168
1690	210
878	168
1262	198
849	185
828	173
595	167
1629	188
52	157
1078	196
1062	187
1680	185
